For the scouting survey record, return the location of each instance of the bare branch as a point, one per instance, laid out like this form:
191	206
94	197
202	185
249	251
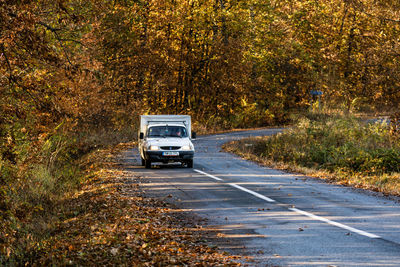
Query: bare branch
381	18
360	6
53	30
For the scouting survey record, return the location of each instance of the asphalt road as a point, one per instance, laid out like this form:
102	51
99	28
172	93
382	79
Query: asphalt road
279	219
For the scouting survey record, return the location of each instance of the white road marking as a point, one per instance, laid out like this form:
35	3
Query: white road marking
209	175
252	192
315	217
322	219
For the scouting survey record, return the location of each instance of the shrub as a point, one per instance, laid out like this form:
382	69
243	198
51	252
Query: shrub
332	144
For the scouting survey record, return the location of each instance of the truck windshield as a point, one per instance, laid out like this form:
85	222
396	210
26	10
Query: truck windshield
167	131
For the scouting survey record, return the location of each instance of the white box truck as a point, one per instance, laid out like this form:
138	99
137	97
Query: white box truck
166	139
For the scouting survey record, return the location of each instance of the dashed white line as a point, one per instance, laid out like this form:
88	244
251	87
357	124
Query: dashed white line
322	219
252	192
209	175
305	213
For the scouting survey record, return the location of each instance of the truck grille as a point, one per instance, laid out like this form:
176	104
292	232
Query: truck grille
170	147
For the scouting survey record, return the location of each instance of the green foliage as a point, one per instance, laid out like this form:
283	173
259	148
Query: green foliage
251	114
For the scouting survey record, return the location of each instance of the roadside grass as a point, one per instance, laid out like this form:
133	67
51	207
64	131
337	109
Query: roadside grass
343	149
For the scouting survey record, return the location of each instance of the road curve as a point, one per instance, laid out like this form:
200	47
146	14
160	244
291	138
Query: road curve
278	218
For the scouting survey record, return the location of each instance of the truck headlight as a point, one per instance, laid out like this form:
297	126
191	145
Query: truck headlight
154	148
187	147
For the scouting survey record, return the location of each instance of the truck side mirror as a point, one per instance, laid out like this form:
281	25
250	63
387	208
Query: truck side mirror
193	135
141	136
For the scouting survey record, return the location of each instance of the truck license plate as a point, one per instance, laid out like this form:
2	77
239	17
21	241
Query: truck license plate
170	153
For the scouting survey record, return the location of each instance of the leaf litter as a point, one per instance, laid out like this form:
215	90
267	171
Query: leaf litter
109	223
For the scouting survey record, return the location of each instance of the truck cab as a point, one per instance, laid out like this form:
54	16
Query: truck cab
166	139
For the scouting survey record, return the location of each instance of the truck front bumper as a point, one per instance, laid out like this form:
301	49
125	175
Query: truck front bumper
157	156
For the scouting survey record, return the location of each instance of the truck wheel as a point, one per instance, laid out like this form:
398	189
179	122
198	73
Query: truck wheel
147	163
143	162
189	163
